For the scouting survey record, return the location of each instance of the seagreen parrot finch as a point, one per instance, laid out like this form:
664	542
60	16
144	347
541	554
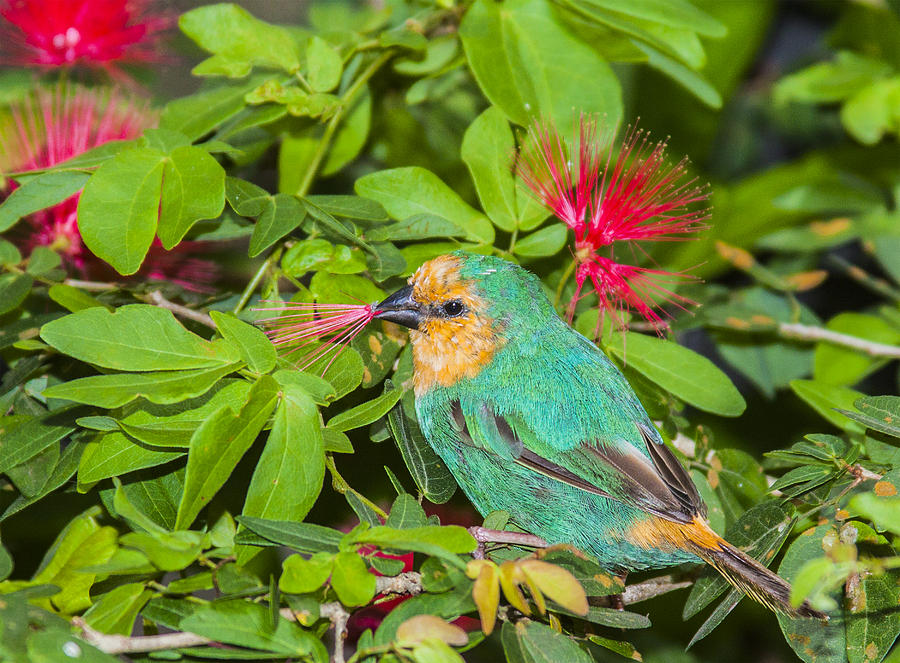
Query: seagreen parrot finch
532	418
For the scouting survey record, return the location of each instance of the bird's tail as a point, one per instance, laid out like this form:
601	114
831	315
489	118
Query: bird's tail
745	573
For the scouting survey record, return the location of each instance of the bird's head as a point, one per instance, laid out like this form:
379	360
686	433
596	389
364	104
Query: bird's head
463	308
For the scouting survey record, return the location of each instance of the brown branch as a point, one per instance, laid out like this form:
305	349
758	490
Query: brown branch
92	286
405	583
483	535
652	588
156	298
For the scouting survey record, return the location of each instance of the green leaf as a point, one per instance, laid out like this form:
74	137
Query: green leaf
114	454
690	376
153	502
136	337
684	76
193	189
870	112
28	439
82	543
530	65
323	65
256	350
884	512
533	642
812	640
238	41
431	475
418	226
366	413
40	192
281	215
162	387
544	242
351	135
218	445
116	610
14	288
827	400
302	537
406	513
198	114
318	388
826	82
118	209
881	413
71	298
350	207
842	366
301	576
351	580
289	474
248	624
444	542
487	150
406	192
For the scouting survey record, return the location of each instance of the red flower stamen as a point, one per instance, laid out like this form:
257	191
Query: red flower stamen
99	33
606	197
328	328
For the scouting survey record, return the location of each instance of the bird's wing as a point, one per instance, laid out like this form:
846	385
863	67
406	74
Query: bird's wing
656	483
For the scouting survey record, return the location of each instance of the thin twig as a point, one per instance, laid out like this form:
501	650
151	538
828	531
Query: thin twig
335	613
156	298
93	286
811	333
484	535
652	588
405	583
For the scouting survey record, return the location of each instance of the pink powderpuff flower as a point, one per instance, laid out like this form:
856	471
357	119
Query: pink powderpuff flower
53	125
97	33
317	331
607	197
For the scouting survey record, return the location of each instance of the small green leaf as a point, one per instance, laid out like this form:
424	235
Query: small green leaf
31	437
487	149
281	215
351	580
827	400
427	469
289	474
256	350
323	65
118	209
136	337
406	192
116	610
247	624
162	387
218	445
418	226
40	192
365	413
114	454
690	376
841	366
238	41
544	242
444	542
881	413
301	576
71	298
193	189
302	537
14	288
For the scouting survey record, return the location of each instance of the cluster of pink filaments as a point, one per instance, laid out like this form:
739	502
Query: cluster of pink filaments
608	197
96	33
318	331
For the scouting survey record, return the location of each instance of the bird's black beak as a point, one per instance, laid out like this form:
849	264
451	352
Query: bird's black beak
400	308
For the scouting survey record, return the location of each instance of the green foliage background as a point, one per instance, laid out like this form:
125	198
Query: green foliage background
162	471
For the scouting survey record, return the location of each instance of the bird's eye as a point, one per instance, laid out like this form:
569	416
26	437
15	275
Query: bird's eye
453	308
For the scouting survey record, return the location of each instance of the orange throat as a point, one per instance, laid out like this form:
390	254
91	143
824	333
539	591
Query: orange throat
444	354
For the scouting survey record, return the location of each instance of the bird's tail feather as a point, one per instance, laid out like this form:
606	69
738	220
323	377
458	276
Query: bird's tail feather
752	578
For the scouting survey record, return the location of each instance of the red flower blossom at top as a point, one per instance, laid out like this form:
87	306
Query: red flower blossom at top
60	33
607	197
52	125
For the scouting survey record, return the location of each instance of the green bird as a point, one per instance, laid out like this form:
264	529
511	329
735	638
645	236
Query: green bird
532	418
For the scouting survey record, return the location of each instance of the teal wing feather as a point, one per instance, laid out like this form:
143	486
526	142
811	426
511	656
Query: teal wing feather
654	482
